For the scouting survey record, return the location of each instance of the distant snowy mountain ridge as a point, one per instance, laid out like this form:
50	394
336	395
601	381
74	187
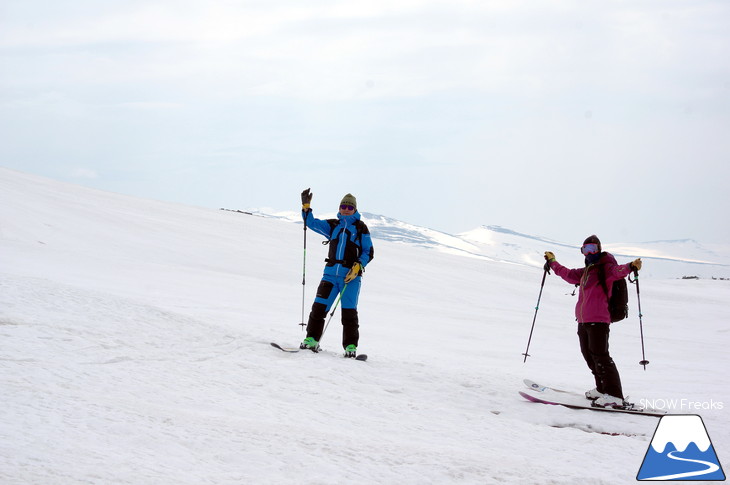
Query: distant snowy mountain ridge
665	259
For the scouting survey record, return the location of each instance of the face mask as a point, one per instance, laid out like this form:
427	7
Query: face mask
592	258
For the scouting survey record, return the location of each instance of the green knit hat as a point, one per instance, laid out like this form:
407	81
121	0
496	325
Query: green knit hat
349	199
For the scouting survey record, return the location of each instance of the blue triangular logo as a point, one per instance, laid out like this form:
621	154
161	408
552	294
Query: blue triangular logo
681	450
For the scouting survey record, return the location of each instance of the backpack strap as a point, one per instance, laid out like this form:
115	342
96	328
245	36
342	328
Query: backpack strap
333	223
601	268
359	228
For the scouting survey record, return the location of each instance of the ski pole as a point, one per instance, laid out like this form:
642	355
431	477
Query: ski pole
304	270
544	274
334	307
643	360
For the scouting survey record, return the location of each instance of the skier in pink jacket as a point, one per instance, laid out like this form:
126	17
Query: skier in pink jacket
593	315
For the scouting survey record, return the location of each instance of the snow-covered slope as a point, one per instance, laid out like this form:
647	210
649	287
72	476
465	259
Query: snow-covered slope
134	349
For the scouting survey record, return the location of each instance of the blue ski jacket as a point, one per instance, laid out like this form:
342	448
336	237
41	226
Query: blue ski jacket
349	241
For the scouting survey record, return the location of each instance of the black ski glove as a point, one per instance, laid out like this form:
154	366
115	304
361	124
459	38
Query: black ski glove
306	199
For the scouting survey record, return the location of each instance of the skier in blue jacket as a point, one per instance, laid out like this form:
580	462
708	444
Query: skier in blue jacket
350	250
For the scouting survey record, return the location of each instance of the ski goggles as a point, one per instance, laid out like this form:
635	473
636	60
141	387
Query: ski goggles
590	248
347	207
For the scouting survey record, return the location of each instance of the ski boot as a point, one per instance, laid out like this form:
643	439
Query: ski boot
608	401
351	351
309	344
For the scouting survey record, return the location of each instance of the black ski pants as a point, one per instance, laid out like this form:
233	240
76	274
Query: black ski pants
593	338
350	324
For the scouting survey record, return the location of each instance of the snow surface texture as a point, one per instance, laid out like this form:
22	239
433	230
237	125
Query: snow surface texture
134	349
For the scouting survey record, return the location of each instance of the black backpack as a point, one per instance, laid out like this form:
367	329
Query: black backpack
618	304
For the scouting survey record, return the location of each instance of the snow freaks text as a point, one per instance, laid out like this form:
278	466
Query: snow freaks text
683	405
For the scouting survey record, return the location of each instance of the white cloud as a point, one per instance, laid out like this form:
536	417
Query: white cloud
439	88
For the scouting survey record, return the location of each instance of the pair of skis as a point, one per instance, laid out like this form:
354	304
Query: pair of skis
362	357
547	395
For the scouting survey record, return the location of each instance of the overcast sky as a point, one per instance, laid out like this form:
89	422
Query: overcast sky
554	118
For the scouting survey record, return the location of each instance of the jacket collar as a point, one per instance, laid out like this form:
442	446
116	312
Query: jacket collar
349	219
